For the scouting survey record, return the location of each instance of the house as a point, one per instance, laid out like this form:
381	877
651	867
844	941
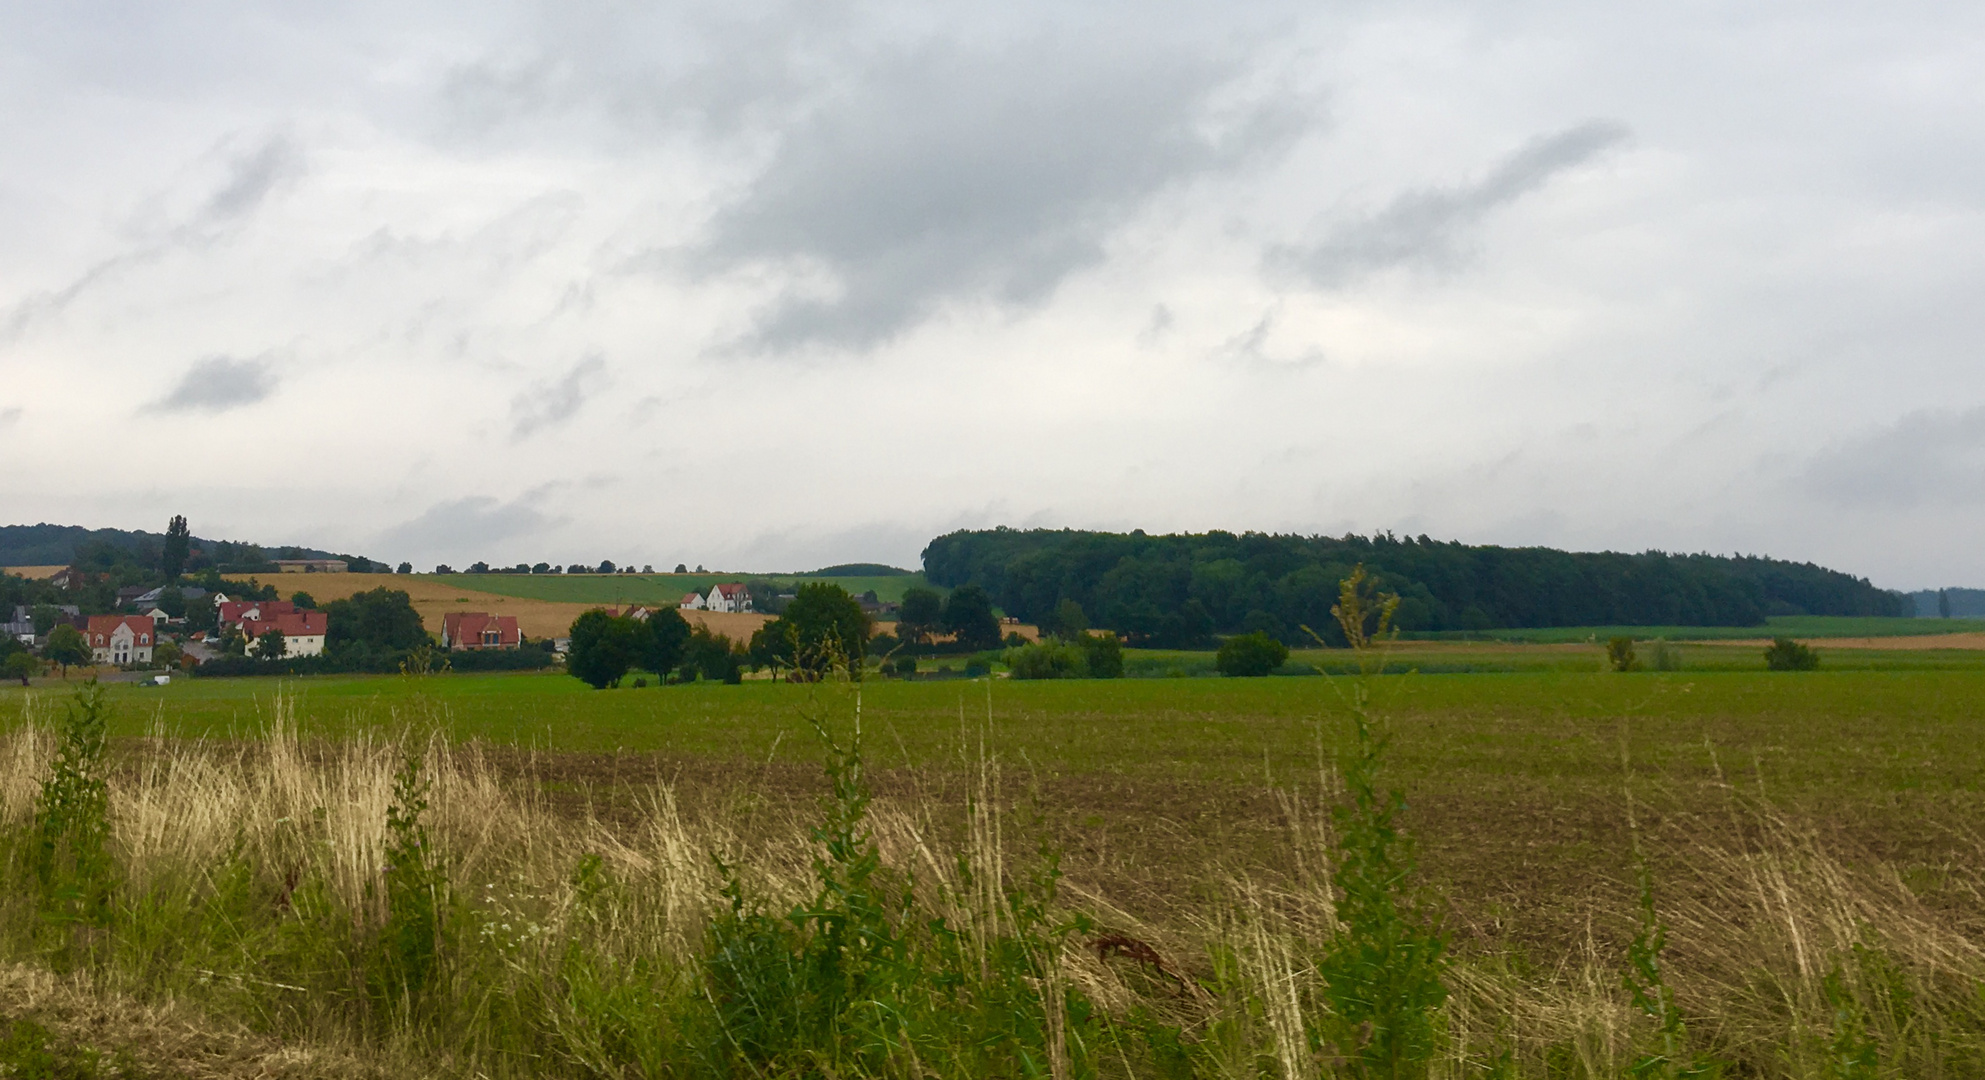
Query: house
303	631
237	612
730	596
157	615
312	566
120	639
692	602
129	594
150	598
479	630
22	624
66	577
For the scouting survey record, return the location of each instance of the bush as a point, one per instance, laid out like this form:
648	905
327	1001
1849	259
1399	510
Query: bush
1785	654
1104	652
1620	654
1047	660
1250	655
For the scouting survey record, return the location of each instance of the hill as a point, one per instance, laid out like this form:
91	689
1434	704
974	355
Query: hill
1178	590
44	544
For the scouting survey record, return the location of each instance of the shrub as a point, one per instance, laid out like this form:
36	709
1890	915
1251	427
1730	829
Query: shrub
1620	654
1047	660
1104	652
1251	655
1785	654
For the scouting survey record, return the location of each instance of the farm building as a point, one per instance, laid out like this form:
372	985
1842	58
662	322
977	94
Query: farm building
692	602
479	630
303	632
730	596
120	639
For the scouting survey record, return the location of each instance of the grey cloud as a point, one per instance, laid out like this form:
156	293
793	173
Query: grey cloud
250	178
944	175
459	528
220	383
1429	226
550	404
1923	458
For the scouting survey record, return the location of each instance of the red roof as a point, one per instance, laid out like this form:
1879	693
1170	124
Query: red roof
731	589
234	610
100	627
291	623
468	629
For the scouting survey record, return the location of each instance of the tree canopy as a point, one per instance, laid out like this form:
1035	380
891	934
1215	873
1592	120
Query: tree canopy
822	628
1178	590
379	619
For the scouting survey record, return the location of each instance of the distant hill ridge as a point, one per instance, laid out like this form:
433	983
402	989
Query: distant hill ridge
1179	590
44	544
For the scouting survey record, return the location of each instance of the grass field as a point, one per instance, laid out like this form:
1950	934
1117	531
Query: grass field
1794	822
1795	626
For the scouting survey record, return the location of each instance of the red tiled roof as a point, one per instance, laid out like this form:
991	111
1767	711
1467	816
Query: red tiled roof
232	611
467	628
730	589
291	623
99	628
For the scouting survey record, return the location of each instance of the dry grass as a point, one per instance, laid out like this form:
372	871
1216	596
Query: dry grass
34	573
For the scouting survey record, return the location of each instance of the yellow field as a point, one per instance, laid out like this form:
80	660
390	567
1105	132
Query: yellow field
433	599
35	573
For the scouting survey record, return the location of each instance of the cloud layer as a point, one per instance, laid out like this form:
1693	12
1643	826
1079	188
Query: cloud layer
780	284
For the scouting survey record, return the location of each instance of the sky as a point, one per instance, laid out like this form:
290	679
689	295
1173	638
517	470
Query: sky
767	286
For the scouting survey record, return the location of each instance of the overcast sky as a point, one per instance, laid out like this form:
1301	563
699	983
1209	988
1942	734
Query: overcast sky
768	286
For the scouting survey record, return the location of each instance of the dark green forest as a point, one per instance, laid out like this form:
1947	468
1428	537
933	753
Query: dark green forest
1178	591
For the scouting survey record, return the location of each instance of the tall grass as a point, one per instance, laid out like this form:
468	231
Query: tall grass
396	900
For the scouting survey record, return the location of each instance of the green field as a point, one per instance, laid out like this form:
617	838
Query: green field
1176	809
1798	626
654	589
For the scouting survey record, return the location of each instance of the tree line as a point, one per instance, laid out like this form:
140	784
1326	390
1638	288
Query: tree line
1180	590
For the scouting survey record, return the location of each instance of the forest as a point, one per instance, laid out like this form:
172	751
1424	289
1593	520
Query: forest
1179	590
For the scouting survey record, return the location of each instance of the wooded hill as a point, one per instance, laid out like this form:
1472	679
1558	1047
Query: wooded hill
1179	590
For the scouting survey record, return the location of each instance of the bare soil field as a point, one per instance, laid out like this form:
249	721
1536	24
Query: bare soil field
433	599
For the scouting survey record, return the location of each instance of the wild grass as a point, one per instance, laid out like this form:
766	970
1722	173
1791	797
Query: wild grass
392	898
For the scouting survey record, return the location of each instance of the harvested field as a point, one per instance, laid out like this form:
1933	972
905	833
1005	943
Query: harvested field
36	573
434	597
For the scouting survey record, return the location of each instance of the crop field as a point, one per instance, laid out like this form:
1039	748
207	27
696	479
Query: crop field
1794	626
1802	831
433	597
653	589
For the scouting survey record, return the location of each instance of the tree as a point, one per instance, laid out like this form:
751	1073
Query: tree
606	566
1620	654
233	642
271	645
166	654
406	568
713	657
1943	603
381	618
479	567
303	600
919	615
1104	654
65	647
1250	655
172	602
1068	621
1786	654
823	628
541	568
20	665
444	568
45	617
604	647
178	544
668	634
681	568
968	615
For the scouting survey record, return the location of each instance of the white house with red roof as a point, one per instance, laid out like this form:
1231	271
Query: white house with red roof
237	612
692	602
479	630
120	639
303	631
730	596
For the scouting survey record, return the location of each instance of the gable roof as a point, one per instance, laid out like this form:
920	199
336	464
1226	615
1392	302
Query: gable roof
100	629
730	590
291	623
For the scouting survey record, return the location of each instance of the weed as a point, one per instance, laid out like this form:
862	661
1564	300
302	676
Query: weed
69	849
